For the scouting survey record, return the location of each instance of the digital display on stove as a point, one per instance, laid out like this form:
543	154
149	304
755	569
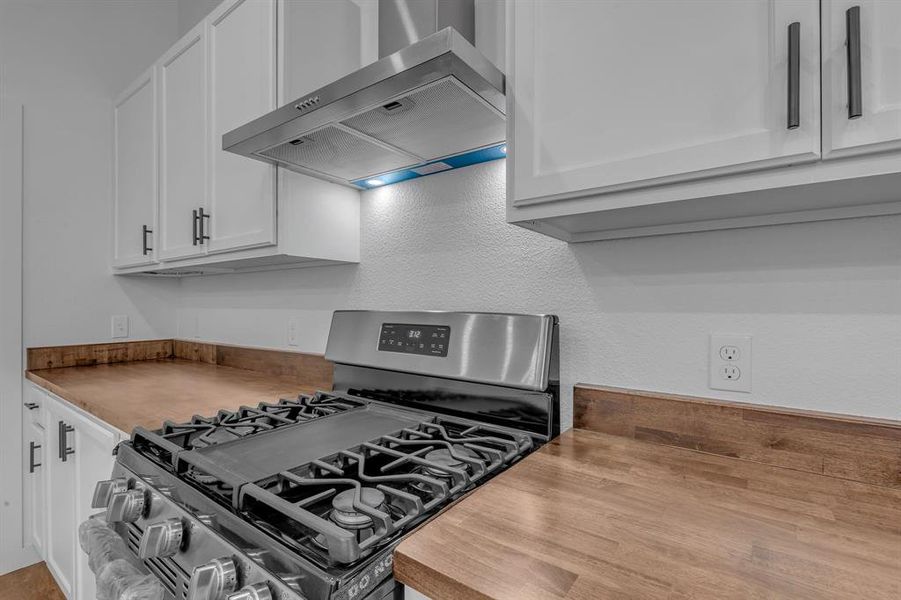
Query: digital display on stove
427	340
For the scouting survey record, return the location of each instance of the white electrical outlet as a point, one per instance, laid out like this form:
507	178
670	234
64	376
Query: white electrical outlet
119	326
730	362
293	333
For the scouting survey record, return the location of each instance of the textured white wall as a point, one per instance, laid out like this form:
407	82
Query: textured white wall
190	13
822	300
66	61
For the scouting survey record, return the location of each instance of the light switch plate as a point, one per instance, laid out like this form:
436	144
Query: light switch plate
730	363
119	326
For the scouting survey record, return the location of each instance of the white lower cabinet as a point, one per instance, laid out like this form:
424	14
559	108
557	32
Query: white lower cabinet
94	445
35	496
59	477
76	450
411	594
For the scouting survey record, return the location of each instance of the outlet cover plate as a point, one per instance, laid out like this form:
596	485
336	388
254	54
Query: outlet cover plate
293	332
119	326
728	350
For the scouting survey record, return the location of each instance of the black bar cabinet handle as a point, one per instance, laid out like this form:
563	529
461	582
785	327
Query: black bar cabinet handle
144	232
794	75
31	464
203	228
194	221
855	93
31	405
64	449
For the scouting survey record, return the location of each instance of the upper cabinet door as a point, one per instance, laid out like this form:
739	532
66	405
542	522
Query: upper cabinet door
183	145
623	94
243	87
861	76
135	174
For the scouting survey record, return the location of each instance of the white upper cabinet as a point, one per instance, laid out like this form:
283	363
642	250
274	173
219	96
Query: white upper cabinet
623	94
135	173
183	145
243	84
220	212
629	118
861	76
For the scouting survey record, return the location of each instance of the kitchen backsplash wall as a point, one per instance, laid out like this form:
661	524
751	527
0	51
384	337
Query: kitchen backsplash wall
821	300
66	61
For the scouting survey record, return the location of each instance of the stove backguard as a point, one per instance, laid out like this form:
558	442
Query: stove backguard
497	368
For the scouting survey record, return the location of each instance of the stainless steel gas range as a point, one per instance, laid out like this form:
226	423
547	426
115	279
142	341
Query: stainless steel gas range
306	498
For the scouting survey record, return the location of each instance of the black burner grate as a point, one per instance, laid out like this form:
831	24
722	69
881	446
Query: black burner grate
226	426
296	505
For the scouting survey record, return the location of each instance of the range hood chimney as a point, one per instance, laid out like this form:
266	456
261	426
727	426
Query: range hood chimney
405	22
431	103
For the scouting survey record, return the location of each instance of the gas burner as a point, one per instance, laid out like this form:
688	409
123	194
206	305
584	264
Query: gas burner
443	459
349	511
347	516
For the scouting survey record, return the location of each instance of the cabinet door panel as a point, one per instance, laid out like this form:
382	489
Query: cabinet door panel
135	180
243	87
622	94
35	500
879	126
183	145
94	461
61	532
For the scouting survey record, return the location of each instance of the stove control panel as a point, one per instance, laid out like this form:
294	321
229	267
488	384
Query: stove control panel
427	340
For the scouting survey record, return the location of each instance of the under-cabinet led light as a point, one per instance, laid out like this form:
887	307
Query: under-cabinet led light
447	163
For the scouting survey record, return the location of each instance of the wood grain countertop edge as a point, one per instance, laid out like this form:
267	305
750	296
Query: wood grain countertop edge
762	408
442	584
107	412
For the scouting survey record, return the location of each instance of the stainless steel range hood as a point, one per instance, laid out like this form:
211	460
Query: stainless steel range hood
433	105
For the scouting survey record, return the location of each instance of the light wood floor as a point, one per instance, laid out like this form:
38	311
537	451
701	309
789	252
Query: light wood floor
31	583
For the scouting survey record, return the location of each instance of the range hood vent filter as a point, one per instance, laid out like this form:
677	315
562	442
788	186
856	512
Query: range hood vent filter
436	120
341	153
437	99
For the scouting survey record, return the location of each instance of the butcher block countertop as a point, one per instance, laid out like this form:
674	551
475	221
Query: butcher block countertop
593	515
147	392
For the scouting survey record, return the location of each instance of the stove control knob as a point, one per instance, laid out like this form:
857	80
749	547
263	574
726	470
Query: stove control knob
254	591
105	489
126	506
161	539
213	580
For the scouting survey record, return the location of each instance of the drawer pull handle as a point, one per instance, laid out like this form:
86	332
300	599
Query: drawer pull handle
64	449
794	75
32	405
204	233
852	42
31	464
146	248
